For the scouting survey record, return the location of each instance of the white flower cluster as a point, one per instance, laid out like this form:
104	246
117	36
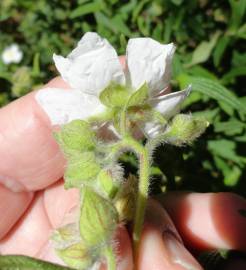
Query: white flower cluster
12	54
94	63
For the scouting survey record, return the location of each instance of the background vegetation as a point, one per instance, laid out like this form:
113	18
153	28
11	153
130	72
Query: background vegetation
209	35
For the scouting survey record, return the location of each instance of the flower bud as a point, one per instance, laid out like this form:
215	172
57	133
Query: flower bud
110	179
125	200
184	129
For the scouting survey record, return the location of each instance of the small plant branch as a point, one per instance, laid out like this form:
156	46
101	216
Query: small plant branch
111	258
142	196
128	143
123	122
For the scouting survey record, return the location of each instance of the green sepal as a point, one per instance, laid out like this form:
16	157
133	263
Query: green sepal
114	95
76	256
107	183
184	129
139	97
80	168
98	218
76	136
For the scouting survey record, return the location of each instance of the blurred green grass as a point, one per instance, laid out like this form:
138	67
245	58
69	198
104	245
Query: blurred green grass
210	38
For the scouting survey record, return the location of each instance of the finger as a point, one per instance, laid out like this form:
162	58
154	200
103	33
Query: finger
12	206
31	232
161	246
61	206
31	158
208	221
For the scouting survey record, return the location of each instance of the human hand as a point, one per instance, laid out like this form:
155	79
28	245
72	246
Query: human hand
33	202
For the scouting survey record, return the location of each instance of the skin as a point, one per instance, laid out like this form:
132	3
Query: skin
33	202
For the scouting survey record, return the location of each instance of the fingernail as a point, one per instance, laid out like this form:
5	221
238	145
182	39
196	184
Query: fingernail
178	254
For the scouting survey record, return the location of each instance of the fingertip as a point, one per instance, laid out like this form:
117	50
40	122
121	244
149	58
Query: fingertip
57	82
12	206
228	219
123	249
209	220
161	246
61	205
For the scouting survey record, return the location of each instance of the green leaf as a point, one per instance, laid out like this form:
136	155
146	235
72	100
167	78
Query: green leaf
203	50
139	97
76	137
98	218
76	255
220	49
119	24
214	90
232	177
14	262
230	128
225	149
114	95
177	2
86	9
36	65
81	167
209	115
22	81
238	8
232	74
199	71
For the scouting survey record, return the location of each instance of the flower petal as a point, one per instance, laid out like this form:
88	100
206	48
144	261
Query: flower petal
149	61
91	66
169	105
62	105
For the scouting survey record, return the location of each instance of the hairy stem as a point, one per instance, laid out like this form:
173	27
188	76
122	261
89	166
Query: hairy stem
123	122
128	143
111	258
142	196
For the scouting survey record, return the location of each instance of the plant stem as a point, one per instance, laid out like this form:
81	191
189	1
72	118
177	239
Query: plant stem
110	256
123	124
142	196
129	143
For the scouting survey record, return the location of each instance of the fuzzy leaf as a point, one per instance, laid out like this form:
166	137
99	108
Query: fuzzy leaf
98	218
114	95
81	167
14	262
75	137
76	256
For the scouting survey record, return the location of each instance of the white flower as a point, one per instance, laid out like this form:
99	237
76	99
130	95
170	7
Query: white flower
94	63
12	54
